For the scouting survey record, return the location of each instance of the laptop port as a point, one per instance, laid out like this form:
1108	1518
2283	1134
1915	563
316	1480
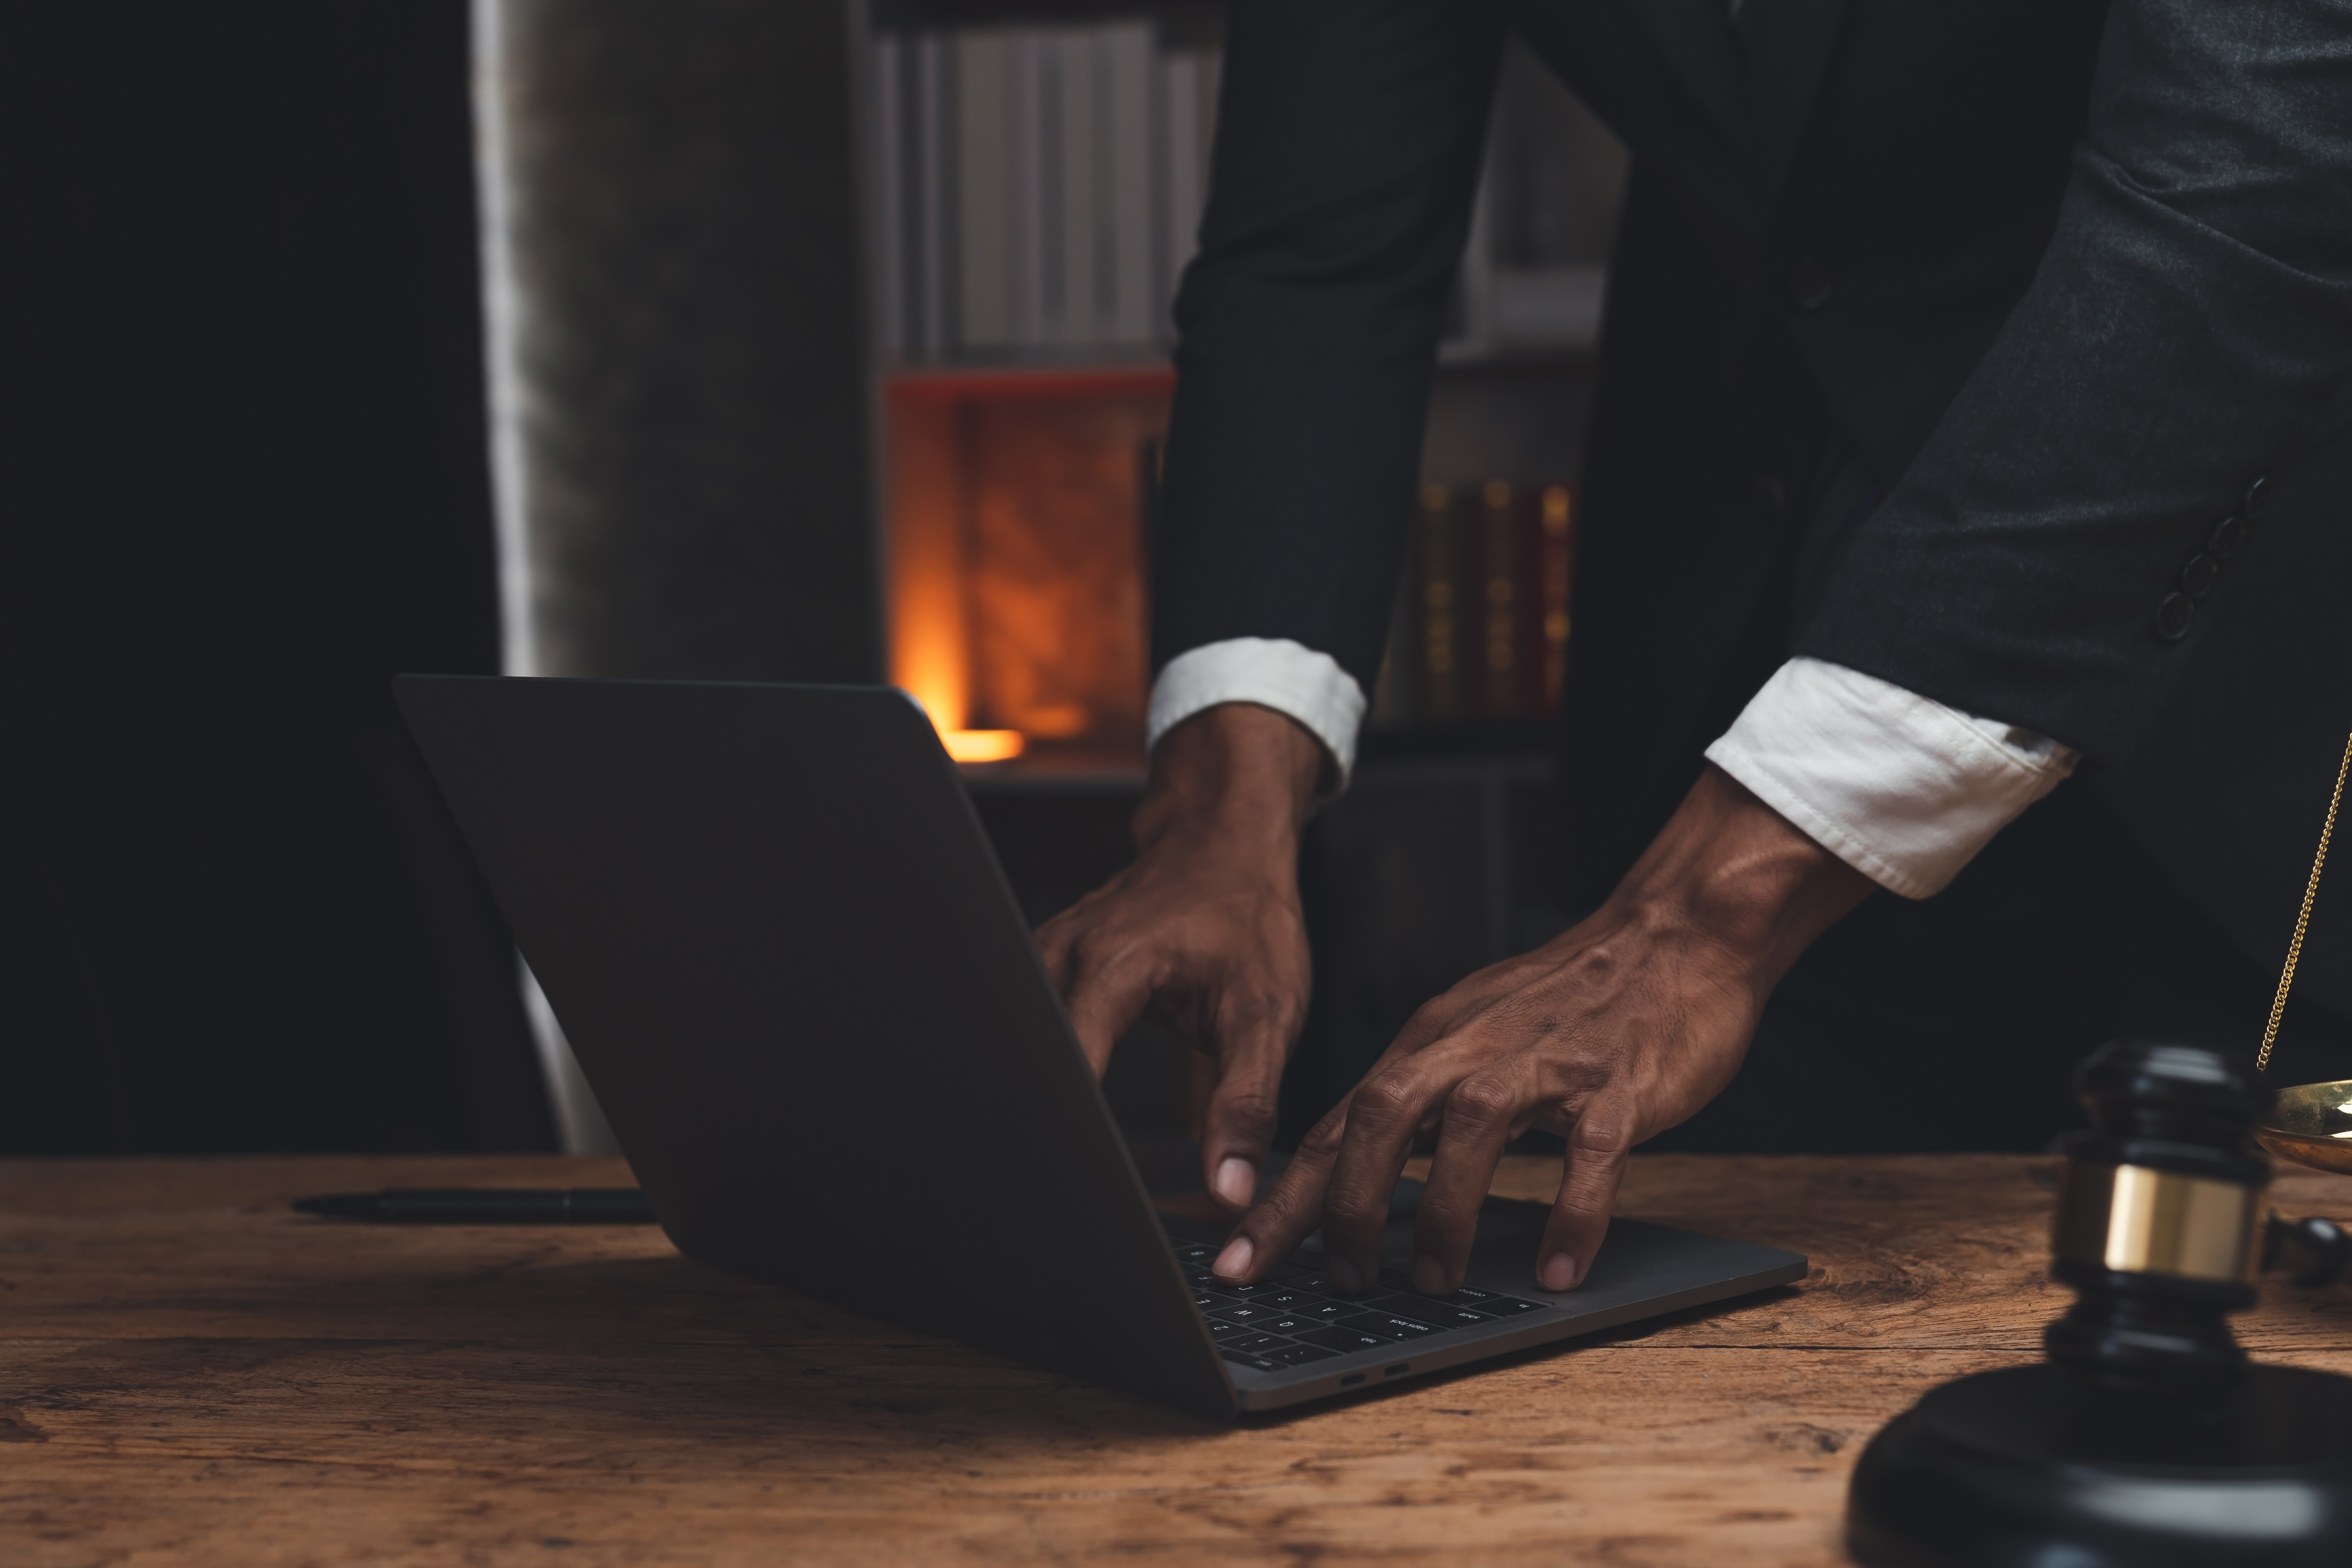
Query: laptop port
1352	1379
1401	1366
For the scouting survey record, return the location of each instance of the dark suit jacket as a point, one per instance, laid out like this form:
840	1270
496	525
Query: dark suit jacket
1939	337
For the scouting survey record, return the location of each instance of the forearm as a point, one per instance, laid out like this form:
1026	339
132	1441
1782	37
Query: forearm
2045	557
1347	149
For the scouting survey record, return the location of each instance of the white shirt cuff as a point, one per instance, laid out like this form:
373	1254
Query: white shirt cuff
1273	672
1898	786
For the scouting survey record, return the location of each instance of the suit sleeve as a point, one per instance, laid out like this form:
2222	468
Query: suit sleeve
2188	323
1347	149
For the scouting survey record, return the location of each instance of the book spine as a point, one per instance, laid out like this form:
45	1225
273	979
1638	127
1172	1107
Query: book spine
891	240
1437	593
984	252
1070	191
1030	251
932	329
1555	567
1498	610
1127	306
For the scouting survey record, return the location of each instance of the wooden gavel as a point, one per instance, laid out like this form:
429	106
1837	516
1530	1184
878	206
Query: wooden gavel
2147	1439
2158	1216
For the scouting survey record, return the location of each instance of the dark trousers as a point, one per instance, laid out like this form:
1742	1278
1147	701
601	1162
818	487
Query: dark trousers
1955	1023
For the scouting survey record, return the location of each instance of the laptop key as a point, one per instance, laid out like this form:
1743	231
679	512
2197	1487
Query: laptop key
1210	1300
1288	1299
1300	1355
1262	1364
1386	1325
1490	1302
1486	1303
1450	1317
1224	1330
1421	1310
1252	1344
1245	1312
1342	1340
1465	1297
1328	1310
1287	1324
1203	1279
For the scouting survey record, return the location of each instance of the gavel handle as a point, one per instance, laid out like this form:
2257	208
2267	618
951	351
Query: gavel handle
2313	1251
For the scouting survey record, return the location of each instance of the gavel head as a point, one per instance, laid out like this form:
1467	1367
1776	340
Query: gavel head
2158	1218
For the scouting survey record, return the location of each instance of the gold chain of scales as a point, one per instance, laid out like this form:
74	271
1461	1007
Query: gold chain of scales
2303	917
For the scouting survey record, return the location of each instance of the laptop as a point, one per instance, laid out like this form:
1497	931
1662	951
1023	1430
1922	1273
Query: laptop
775	934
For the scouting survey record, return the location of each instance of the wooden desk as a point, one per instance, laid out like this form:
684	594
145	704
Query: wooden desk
190	1374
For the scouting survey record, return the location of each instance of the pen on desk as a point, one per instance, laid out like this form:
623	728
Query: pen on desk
487	1206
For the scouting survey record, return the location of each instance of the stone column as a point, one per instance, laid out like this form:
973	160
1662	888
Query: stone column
680	381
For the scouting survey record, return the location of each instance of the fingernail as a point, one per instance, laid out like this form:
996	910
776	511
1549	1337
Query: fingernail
1557	1273
1234	1261
1344	1275
1236	1181
1429	1276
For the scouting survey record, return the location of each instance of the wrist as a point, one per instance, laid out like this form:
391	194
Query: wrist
1235	773
1730	868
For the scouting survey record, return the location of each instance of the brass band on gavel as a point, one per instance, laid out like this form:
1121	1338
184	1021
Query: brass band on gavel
2133	1219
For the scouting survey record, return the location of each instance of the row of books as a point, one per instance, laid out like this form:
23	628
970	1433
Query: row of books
1481	621
1040	187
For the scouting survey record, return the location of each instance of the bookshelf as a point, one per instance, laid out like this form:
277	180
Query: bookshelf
1034	174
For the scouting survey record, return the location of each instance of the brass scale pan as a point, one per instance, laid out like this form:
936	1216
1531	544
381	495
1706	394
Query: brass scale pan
2312	1123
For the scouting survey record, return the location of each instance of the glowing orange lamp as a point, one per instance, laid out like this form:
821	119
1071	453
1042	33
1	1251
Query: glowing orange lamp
982	745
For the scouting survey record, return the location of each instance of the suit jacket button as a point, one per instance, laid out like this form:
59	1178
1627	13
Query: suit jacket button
2228	537
2196	578
2258	498
2172	613
1810	286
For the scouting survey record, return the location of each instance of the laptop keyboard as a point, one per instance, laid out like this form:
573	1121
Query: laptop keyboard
1296	1315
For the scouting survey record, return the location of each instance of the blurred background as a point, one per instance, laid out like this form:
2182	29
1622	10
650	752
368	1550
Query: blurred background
804	341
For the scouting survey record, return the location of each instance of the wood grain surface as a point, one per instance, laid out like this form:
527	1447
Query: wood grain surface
192	1374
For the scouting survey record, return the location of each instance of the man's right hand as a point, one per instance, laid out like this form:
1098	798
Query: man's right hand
1205	928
